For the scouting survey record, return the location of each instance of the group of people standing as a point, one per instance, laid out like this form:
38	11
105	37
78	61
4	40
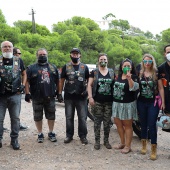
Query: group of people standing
120	98
128	96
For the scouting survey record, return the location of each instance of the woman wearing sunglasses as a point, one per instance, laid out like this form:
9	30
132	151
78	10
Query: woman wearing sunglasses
124	108
150	85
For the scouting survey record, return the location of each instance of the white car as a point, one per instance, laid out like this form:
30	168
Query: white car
91	66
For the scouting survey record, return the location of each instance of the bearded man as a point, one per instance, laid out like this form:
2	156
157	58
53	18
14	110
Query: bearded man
12	83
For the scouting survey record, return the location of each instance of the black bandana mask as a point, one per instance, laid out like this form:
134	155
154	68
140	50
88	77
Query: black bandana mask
75	60
42	60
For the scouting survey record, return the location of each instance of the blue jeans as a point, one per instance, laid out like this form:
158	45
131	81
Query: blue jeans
13	104
81	107
148	114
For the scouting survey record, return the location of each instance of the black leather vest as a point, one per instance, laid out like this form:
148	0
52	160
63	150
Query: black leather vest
13	77
75	80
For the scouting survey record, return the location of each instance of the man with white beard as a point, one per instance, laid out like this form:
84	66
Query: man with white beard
12	70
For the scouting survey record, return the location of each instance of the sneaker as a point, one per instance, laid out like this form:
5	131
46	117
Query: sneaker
5	129
52	137
84	141
40	138
22	127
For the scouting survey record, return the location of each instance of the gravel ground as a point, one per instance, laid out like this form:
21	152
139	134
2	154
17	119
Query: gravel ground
60	156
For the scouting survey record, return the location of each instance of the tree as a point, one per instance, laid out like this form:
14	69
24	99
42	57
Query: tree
9	33
158	37
68	40
149	35
26	27
124	24
2	18
58	58
166	36
110	15
60	27
121	24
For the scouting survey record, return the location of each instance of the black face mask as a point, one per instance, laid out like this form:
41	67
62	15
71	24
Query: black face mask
42	60
75	60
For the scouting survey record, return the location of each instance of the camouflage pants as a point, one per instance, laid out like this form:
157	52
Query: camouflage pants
102	113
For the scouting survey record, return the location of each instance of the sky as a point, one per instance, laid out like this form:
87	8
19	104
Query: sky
148	15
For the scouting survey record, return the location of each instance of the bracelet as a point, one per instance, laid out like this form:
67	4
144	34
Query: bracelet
90	97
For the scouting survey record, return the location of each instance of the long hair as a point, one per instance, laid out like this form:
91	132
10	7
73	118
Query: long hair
133	71
153	68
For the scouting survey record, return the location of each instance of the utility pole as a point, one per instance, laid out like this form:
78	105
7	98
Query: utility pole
33	22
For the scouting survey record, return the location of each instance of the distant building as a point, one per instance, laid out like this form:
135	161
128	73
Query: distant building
104	24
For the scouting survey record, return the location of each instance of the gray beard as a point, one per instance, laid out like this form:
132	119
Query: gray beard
7	55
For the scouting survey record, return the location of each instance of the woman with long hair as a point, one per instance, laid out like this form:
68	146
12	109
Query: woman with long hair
150	85
124	108
100	98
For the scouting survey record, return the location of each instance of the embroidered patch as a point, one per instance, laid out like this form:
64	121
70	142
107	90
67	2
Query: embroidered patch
82	66
69	67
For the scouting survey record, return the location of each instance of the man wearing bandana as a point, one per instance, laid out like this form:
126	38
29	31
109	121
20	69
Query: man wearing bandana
75	76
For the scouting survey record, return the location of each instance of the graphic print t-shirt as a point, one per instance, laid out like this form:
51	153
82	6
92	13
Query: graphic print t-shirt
45	82
121	91
147	90
104	88
43	78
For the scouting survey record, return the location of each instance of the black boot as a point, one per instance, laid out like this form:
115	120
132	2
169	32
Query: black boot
97	144
15	144
106	143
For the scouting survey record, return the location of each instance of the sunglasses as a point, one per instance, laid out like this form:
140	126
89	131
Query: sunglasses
147	61
19	53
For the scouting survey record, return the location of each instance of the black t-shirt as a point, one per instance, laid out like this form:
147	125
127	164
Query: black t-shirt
147	90
121	91
104	91
74	96
8	65
44	79
164	74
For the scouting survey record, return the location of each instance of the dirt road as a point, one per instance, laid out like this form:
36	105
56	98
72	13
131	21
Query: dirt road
75	156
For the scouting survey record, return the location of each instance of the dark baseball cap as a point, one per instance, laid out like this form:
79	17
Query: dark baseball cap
75	50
